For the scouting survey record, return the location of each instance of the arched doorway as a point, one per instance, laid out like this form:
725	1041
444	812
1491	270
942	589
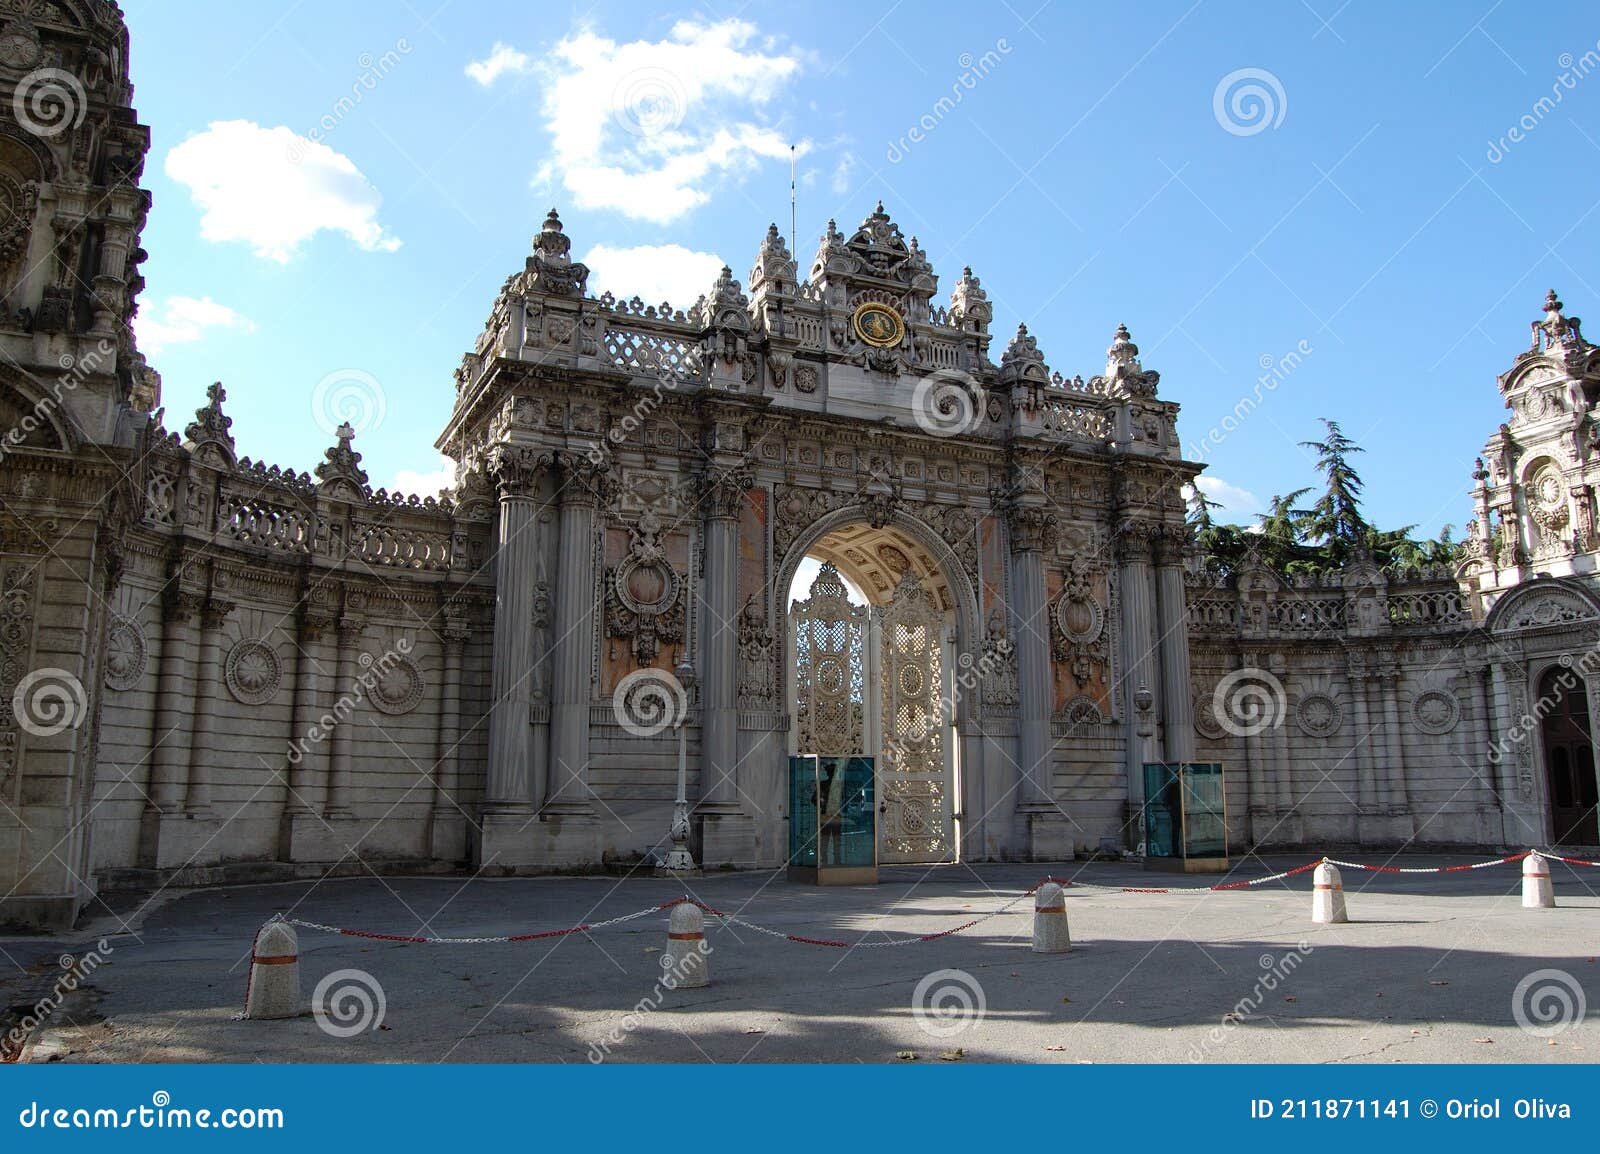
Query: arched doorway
872	642
1569	758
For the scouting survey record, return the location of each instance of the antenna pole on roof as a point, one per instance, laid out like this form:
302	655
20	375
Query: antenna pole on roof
794	248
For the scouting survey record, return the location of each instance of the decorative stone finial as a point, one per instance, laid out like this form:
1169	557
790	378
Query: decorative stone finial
551	268
210	426
341	463
1555	329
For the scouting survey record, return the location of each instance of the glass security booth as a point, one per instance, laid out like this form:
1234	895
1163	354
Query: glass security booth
833	835
1185	817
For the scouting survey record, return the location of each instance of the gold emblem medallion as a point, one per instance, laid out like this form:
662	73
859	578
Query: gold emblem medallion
879	325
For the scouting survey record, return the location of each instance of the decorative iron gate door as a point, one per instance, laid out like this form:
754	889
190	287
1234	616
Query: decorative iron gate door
830	636
914	787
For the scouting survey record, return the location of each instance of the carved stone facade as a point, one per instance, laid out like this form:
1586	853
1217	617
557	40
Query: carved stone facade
264	672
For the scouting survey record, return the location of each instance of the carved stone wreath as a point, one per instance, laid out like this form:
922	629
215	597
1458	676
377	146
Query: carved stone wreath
1436	711
400	687
252	671
126	653
1080	617
1319	715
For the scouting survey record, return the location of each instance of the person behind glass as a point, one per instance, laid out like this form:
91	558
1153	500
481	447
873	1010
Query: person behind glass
830	811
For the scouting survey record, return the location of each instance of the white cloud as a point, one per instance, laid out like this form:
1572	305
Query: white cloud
645	128
653	272
502	58
1239	506
181	320
844	174
273	189
425	484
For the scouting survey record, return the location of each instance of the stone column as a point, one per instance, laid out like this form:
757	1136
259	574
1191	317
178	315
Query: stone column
169	757
519	473
338	799
197	795
719	653
1138	616
572	644
1032	532
1177	701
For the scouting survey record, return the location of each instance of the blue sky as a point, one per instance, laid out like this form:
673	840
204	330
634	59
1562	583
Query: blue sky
1377	220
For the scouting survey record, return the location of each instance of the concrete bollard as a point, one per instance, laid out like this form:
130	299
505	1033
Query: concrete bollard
274	990
1538	892
685	958
1050	935
1327	895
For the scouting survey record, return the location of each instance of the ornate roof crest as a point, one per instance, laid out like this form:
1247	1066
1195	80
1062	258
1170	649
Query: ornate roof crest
342	464
207	436
775	270
1556	330
1124	373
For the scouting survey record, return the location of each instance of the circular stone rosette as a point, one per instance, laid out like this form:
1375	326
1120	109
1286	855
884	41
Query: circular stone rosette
399	688
126	654
1436	711
253	671
1318	715
1205	721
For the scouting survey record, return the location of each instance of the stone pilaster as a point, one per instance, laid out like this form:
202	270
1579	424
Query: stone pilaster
197	793
338	801
447	831
1032	533
307	752
170	743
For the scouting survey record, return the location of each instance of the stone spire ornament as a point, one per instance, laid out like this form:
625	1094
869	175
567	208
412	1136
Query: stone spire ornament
1555	329
551	269
207	437
775	270
1124	374
341	465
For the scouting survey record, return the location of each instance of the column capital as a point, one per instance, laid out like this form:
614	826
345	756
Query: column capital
350	629
585	480
1136	538
215	612
314	625
182	604
1032	529
724	491
517	470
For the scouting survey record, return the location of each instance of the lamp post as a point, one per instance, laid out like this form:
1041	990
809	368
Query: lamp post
680	862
